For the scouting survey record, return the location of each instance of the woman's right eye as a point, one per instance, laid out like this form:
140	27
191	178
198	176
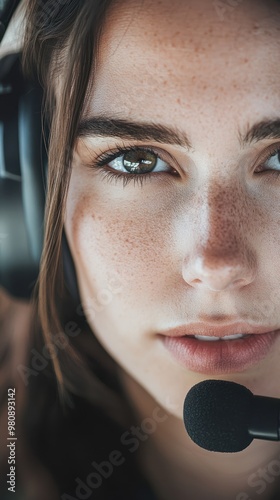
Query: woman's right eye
134	160
139	164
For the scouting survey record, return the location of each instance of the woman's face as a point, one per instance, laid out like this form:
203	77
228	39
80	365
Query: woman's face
199	240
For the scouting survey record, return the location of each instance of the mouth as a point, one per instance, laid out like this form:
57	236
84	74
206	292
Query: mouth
209	338
221	350
208	330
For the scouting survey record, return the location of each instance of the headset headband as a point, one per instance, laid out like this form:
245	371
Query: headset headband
7	9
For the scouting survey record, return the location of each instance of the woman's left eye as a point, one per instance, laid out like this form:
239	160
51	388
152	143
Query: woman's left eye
272	163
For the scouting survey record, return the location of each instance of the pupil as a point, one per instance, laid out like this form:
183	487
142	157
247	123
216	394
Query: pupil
139	161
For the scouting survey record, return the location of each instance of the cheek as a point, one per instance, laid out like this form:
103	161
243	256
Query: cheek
116	248
126	241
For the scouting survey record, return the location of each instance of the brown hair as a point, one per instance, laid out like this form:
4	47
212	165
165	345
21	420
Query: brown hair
59	441
61	48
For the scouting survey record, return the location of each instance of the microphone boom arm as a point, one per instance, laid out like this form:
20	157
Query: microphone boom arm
264	422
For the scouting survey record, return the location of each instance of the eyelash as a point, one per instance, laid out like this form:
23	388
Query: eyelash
106	158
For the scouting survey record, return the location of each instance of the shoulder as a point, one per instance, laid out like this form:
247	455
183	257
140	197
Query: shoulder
15	319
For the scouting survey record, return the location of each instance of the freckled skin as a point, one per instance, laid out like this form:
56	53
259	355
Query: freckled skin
206	244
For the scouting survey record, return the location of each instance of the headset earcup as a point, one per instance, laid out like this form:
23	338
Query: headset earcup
22	196
23	179
32	168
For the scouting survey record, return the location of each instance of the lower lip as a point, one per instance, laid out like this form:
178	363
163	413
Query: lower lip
220	356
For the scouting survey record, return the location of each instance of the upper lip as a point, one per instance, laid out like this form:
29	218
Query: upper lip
217	331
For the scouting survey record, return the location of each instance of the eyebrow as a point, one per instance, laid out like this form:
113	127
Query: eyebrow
126	129
106	126
265	129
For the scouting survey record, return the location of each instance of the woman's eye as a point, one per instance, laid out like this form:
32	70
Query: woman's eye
138	161
272	163
139	164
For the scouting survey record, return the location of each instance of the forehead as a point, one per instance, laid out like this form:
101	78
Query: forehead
162	55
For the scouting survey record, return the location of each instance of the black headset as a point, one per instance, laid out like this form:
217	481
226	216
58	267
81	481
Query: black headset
23	177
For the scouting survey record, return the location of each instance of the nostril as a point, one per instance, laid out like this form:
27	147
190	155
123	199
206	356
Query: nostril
196	281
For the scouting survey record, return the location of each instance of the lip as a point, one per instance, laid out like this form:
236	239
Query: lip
211	330
220	356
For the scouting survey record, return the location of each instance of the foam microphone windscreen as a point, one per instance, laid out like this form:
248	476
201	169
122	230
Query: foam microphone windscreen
217	415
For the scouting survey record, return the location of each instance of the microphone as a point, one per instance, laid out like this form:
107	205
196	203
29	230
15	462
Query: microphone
225	416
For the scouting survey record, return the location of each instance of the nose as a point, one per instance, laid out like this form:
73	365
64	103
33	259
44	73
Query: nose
216	272
220	256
